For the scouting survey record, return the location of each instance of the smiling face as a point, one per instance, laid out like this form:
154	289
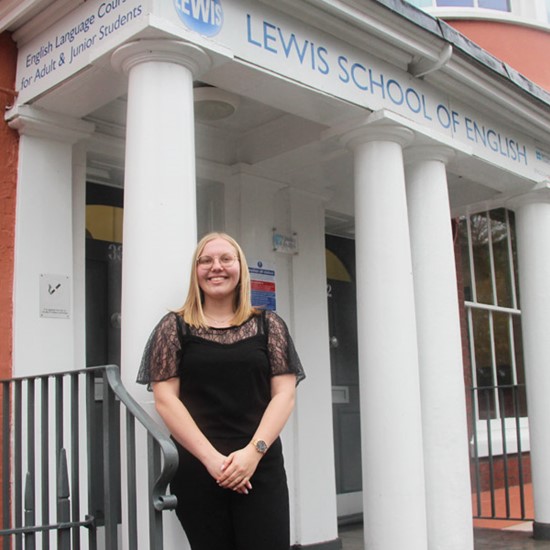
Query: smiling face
216	280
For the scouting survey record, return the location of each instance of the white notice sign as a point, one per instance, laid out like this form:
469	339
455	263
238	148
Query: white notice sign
55	296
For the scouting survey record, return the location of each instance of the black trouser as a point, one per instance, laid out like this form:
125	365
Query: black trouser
221	519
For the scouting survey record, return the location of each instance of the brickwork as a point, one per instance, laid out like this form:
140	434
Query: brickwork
500	469
9	141
8	179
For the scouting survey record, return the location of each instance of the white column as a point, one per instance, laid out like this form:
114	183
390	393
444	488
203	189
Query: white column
316	514
160	229
159	188
44	241
444	421
391	427
533	228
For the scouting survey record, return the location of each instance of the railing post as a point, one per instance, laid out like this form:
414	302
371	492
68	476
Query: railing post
6	386
75	454
131	479
17	458
63	503
109	467
44	459
30	538
155	516
520	451
91	431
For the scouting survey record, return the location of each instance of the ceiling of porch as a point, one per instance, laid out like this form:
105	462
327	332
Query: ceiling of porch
273	141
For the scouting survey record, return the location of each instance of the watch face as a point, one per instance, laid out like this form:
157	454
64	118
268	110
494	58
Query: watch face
261	446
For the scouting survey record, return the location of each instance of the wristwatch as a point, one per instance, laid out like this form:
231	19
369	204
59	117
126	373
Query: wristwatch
260	445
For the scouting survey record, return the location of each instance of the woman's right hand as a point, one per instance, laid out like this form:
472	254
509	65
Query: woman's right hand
214	465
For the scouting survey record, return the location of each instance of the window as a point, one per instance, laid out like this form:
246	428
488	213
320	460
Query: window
500	5
455	3
493	316
422	3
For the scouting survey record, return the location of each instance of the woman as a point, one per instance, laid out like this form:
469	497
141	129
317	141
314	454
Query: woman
224	376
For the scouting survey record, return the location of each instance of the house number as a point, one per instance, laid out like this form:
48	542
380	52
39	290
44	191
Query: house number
115	252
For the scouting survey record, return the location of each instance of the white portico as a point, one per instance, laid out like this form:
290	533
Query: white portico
330	121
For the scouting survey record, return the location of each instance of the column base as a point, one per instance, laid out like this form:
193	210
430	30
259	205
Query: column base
541	531
328	545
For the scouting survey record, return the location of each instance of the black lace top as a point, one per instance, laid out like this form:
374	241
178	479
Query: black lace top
224	373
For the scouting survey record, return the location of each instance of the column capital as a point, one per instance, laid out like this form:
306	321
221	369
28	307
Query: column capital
366	133
32	121
422	153
169	51
378	126
539	194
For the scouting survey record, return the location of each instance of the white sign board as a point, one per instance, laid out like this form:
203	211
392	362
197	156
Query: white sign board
55	296
287	244
73	43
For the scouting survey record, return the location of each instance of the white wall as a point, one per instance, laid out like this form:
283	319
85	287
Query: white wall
43	245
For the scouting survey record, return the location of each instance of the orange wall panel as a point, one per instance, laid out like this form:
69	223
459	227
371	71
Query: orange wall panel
9	142
523	48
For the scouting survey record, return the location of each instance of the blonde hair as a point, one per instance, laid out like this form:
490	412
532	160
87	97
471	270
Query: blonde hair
192	311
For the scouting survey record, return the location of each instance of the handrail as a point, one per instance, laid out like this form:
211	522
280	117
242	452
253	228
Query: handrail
161	501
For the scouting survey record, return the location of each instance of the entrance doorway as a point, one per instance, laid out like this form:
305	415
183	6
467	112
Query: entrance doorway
103	300
103	274
342	313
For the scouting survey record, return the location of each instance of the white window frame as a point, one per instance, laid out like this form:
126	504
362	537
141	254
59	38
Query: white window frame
535	13
489	433
476	6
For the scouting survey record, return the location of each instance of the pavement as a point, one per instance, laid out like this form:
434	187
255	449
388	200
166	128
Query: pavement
518	537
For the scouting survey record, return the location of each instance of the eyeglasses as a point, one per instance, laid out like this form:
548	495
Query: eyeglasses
225	260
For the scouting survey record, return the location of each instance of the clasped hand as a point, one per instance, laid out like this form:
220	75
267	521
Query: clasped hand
238	468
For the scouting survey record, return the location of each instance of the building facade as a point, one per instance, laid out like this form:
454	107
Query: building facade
139	125
515	31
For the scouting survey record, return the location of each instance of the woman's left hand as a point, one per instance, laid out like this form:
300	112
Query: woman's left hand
238	468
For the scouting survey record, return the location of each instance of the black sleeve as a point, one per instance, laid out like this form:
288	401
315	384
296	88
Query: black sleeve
283	357
162	353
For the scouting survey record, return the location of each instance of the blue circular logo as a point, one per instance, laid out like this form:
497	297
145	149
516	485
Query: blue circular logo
202	16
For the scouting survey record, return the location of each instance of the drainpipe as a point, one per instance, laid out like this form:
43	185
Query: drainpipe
424	66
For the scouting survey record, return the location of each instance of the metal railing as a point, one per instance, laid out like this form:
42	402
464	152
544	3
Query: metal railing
62	454
499	453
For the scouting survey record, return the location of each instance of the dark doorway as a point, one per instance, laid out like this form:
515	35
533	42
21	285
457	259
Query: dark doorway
103	295
103	274
342	312
103	303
